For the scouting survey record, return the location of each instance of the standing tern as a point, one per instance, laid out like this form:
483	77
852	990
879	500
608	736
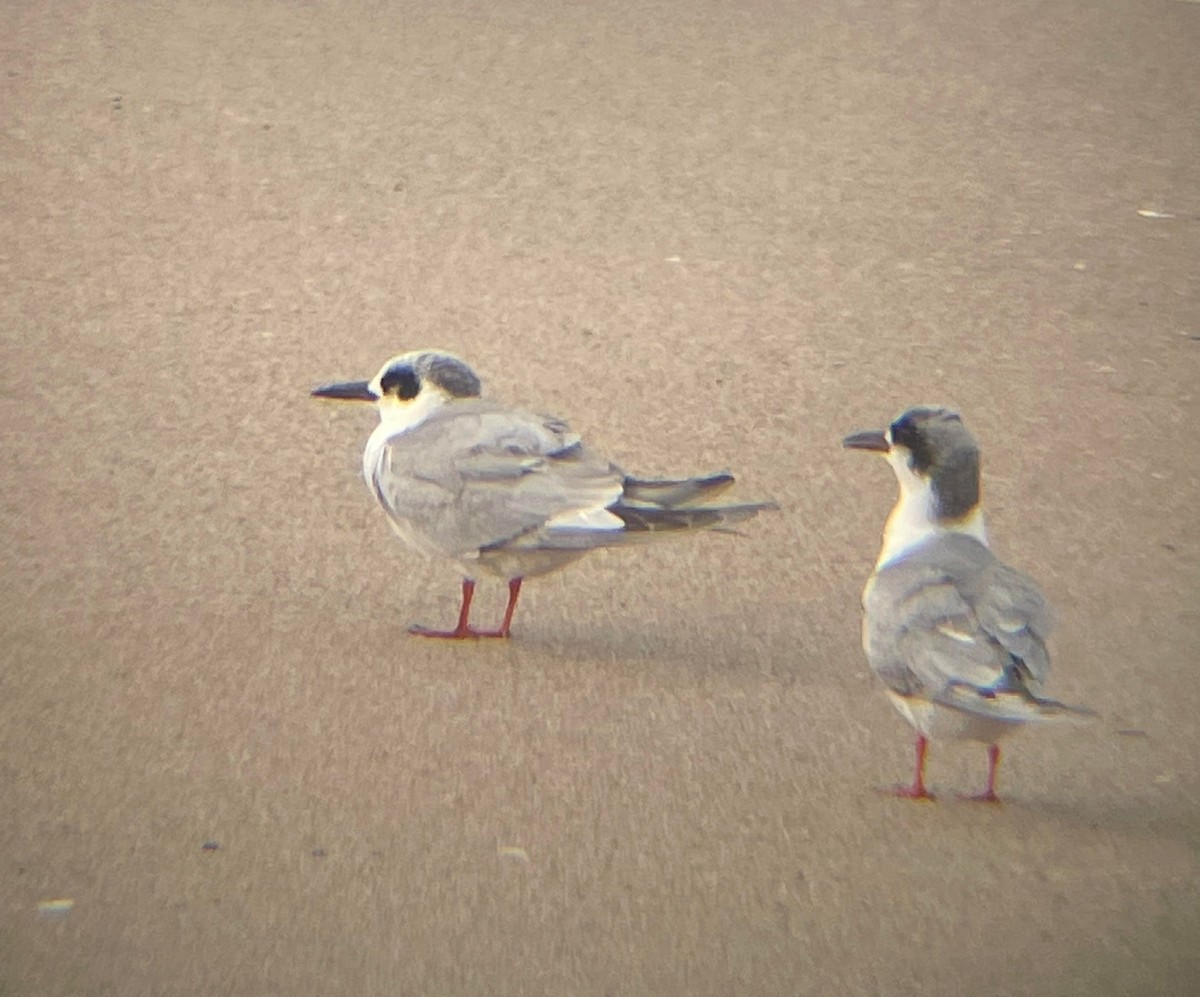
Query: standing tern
957	636
507	492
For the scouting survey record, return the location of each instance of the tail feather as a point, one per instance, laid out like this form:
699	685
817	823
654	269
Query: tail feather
650	507
654	519
674	493
1011	706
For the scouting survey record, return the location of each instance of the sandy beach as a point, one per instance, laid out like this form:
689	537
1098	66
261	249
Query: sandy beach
709	236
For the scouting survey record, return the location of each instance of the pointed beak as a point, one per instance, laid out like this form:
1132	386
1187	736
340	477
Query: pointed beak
346	391
870	439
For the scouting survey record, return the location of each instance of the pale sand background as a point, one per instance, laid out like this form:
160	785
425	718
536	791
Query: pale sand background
709	237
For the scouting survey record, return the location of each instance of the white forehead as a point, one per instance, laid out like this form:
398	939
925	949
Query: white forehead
411	359
434	369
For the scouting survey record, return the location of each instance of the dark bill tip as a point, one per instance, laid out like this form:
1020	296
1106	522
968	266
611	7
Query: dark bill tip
870	439
346	391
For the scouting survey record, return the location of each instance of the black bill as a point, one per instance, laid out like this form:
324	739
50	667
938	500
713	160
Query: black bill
347	391
870	439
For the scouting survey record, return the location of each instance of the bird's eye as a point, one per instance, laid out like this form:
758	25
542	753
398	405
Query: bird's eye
401	381
904	433
907	432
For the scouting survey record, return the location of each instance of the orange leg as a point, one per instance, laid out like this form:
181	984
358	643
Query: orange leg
514	591
989	794
917	790
463	630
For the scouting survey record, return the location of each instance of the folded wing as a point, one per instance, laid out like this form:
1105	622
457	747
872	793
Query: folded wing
476	475
953	624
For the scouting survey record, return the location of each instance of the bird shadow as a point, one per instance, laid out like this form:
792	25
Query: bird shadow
1129	816
724	644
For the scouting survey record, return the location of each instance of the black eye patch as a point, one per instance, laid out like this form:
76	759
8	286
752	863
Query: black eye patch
402	381
906	433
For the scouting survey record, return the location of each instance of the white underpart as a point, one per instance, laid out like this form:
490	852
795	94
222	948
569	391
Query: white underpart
912	519
946	723
396	417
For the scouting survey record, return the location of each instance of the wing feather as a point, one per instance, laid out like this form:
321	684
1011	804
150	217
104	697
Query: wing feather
951	615
476	475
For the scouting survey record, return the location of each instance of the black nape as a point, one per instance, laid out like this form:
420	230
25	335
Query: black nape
922	432
451	375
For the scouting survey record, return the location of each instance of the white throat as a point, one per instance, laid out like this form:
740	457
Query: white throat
396	417
912	520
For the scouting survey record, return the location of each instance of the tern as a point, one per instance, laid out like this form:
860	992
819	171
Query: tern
957	636
505	492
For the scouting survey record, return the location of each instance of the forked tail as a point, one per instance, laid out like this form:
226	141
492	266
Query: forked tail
1012	705
663	504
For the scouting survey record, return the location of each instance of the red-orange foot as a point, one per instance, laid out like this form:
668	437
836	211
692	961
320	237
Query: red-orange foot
917	790
463	630
461	633
989	793
909	793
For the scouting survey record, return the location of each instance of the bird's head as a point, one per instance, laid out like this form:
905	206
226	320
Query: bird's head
409	386
933	454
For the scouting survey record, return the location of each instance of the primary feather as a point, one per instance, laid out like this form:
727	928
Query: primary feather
477	477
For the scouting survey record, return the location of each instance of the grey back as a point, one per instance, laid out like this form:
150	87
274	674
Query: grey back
477	475
950	613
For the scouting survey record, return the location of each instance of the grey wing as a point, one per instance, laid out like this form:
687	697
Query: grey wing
476	475
1015	614
953	619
